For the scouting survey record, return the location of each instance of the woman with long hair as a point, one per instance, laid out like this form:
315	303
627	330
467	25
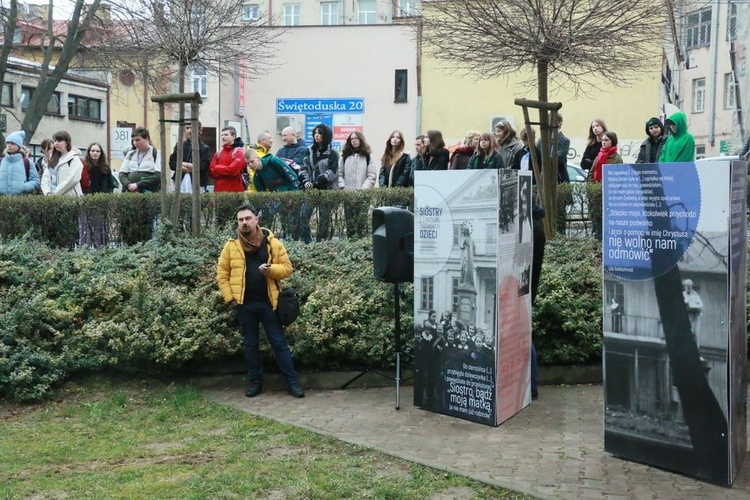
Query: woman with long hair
99	170
63	174
357	170
607	155
436	155
395	163
507	141
593	145
486	154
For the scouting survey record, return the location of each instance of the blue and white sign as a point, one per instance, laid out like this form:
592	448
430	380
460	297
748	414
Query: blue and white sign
651	212
316	106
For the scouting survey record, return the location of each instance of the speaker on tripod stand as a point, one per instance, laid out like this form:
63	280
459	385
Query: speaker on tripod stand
393	262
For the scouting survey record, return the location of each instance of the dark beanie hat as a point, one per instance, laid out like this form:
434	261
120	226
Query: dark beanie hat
654	121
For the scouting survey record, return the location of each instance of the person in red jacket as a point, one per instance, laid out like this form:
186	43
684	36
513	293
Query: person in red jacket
228	164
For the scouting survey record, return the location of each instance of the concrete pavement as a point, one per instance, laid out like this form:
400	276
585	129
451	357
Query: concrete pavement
552	449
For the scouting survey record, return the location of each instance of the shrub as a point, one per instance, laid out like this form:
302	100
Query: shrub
567	323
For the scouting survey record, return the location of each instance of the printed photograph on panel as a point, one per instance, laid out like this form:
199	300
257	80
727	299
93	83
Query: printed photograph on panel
455	255
665	316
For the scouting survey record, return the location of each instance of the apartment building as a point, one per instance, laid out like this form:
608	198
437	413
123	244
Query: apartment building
705	72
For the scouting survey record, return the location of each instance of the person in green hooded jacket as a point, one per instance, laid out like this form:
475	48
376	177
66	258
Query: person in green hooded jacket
680	145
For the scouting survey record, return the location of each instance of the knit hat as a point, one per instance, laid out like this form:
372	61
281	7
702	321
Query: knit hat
16	138
654	121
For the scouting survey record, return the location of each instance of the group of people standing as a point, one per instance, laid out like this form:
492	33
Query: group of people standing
672	143
60	170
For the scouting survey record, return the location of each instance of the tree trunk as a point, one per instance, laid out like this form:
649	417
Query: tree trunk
179	160
547	184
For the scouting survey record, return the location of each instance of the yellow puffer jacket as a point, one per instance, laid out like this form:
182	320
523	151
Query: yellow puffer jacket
230	272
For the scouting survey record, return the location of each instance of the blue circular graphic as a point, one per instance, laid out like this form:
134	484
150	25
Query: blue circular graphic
651	213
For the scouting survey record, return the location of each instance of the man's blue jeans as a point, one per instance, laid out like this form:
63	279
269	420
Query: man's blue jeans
251	316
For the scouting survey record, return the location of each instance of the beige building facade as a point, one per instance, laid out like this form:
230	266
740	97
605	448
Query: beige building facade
78	105
368	84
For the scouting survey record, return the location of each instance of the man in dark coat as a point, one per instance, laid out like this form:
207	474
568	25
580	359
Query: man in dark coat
187	159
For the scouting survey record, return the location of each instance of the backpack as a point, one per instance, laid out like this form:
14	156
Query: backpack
291	170
132	152
85	179
27	166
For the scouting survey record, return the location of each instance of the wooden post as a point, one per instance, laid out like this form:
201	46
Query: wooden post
195	101
546	175
196	173
163	139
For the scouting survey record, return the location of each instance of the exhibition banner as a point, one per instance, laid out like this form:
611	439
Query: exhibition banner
472	307
674	244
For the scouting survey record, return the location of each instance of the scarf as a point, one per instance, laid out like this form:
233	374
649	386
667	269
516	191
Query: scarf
601	159
251	243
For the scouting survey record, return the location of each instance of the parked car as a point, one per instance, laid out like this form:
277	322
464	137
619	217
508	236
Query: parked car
576	173
719	158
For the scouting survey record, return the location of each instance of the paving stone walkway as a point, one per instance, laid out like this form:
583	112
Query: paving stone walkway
552	449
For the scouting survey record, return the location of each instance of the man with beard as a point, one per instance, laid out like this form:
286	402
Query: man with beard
249	273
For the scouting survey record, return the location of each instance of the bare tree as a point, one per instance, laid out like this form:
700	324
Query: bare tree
564	42
165	37
62	49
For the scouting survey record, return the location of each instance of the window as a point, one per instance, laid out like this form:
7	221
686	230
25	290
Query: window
7	96
26	94
198	22
428	294
368	11
407	8
700	151
53	106
329	13
699	95
454	295
400	87
200	81
728	91
84	108
699	28
291	15
732	22
250	12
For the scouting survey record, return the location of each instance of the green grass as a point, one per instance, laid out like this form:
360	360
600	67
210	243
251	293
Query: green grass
107	439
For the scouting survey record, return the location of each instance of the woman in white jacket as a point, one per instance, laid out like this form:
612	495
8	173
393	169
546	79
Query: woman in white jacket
356	168
356	171
63	173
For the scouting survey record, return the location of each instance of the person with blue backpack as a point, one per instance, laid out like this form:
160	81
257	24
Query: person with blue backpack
16	174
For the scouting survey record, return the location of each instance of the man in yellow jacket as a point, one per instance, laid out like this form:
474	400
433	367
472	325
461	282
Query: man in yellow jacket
249	270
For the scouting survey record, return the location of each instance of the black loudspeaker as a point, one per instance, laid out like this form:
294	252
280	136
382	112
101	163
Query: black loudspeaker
393	244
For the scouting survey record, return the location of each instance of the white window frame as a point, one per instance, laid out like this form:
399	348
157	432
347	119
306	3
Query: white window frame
699	95
367	11
292	14
329	13
407	8
250	12
699	28
731	21
427	295
197	22
729	91
199	75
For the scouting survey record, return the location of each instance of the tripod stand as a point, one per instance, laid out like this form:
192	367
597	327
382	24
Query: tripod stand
397	351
